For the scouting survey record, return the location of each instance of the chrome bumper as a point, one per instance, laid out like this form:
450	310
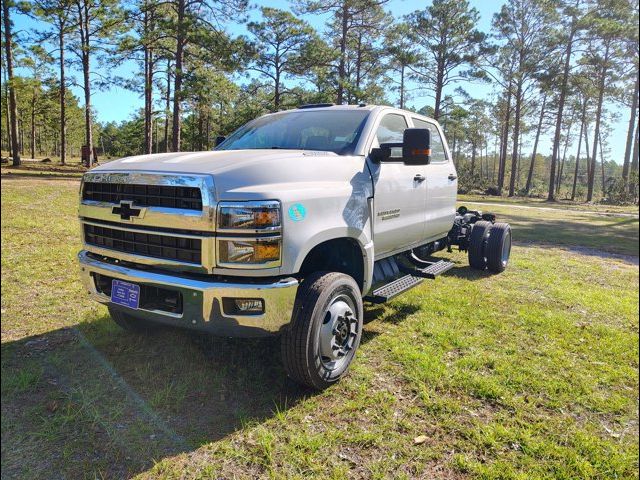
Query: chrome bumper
202	305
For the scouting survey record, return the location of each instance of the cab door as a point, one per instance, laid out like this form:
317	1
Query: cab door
400	192
441	184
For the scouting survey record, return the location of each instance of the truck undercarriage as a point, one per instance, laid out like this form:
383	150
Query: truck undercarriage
488	245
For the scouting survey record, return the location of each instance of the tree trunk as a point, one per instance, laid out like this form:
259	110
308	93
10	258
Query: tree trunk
343	53
356	93
148	85
473	158
632	124
7	113
494	157
453	149
167	108
402	87
564	155
21	132
516	138
602	163
563	96
63	98
32	142
13	104
527	187
177	86
596	134
504	142
586	150
83	17
276	93
438	89
634	161
583	119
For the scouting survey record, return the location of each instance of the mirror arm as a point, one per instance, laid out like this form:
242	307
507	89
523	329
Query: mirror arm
383	153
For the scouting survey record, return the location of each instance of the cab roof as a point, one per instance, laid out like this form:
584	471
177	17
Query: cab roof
362	106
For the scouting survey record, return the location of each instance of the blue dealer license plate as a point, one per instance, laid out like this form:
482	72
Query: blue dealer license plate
125	293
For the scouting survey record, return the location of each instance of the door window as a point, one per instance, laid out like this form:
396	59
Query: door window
438	154
391	130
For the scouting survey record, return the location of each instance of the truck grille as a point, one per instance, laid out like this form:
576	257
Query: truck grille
176	248
189	198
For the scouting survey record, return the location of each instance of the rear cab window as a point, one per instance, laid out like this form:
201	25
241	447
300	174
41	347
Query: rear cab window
438	153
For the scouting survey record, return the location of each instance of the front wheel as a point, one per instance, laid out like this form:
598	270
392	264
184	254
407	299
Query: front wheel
325	330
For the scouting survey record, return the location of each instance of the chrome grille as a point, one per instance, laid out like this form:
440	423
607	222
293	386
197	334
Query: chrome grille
176	248
168	196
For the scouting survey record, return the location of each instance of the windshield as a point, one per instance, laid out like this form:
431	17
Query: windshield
326	130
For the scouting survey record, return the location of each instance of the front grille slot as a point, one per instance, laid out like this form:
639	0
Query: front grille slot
169	196
151	297
179	249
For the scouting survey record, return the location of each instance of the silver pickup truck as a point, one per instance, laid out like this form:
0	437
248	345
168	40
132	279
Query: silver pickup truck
285	228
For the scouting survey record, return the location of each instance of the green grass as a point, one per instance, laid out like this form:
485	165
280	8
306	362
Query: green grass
614	234
528	374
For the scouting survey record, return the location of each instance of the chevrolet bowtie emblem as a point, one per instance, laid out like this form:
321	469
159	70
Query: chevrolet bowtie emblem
127	211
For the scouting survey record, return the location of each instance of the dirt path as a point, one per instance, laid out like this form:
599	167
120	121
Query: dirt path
35	178
527	207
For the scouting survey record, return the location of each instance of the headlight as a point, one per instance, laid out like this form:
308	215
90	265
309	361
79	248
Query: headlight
256	216
243	250
255	252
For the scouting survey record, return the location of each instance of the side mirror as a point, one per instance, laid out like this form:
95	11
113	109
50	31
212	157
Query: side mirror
416	146
219	140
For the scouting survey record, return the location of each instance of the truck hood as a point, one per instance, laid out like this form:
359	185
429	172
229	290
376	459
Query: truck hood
251	173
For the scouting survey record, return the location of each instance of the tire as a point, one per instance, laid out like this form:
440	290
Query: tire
498	247
476	248
129	323
328	311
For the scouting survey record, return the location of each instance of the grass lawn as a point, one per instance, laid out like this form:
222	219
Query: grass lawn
570	228
528	374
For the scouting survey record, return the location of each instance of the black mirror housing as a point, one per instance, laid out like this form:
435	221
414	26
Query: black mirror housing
416	146
219	140
379	155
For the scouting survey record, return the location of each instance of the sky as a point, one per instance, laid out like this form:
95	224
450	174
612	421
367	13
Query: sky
117	104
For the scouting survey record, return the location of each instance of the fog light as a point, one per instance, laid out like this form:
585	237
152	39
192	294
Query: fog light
249	305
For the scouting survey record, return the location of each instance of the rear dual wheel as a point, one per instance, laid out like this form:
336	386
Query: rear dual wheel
490	246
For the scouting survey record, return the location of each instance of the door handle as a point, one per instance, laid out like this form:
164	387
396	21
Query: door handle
452	176
419	178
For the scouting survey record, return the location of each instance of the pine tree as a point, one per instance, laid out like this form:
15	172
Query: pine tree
449	42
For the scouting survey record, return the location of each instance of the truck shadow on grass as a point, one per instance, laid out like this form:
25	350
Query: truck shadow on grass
92	400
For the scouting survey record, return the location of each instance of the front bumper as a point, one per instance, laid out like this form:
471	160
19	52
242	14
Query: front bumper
202	299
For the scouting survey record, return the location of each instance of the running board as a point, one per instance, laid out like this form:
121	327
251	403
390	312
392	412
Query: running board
432	271
393	289
414	276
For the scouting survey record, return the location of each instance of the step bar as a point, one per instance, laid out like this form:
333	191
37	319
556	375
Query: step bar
413	278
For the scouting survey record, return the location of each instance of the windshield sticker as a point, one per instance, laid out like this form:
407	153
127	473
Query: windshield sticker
297	212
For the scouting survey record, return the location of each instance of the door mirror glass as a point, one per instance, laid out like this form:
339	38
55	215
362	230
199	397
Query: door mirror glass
416	146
